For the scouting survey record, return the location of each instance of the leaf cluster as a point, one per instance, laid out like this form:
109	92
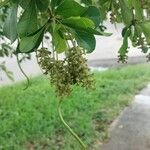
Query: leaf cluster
67	22
73	24
135	16
62	18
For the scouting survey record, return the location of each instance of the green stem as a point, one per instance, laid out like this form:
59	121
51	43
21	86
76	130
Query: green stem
68	127
28	81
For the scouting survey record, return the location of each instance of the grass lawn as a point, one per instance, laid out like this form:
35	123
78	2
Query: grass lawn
29	119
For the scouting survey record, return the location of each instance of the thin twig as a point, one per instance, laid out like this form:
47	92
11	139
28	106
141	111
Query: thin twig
28	81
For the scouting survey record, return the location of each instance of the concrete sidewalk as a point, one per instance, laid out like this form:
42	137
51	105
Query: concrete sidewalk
131	131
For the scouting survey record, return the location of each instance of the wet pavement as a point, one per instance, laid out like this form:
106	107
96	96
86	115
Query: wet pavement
131	131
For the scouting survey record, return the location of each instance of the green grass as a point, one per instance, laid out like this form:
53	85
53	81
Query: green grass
29	119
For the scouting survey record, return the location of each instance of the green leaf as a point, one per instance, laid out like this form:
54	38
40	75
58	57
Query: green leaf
146	30
93	13
24	3
138	9
127	14
124	31
58	40
28	21
42	5
84	25
124	47
86	41
31	42
15	1
102	2
69	8
97	32
55	3
10	26
79	23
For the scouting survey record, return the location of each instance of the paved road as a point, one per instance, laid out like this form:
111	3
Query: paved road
104	55
132	129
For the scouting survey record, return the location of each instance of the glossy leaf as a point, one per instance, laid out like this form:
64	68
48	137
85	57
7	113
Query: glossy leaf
31	42
58	40
10	26
70	8
124	31
79	23
86	40
28	21
84	25
93	13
